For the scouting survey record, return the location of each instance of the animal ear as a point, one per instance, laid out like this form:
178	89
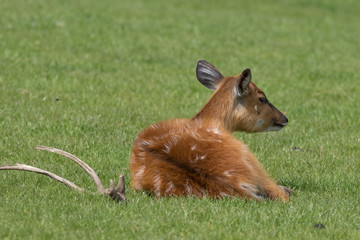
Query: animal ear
244	81
208	74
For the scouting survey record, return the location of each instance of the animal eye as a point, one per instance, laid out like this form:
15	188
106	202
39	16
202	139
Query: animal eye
263	100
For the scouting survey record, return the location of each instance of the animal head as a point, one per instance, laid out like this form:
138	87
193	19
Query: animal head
237	102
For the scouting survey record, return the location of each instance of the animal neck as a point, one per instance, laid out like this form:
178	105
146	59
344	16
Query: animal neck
217	111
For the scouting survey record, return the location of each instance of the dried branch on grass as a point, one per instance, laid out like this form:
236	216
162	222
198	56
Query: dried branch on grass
117	193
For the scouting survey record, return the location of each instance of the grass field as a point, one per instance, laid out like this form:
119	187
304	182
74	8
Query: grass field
118	66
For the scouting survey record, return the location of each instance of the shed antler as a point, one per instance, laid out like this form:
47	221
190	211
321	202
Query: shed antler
117	193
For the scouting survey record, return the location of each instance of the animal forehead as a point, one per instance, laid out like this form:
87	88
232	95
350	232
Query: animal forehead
228	81
257	90
231	81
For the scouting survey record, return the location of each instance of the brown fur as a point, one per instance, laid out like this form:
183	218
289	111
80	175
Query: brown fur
200	157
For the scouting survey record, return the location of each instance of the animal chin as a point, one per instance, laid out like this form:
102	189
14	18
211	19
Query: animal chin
274	127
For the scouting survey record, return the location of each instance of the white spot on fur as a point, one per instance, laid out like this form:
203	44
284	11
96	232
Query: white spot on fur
194	160
142	154
157	184
222	194
198	158
247	164
244	159
256	109
138	186
140	172
146	142
174	140
203	192
154	126
187	187
252	190
193	147
167	148
132	160
227	173
170	144
162	136
170	187
214	130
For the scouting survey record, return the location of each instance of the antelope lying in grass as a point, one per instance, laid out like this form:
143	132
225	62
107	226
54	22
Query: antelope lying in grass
199	156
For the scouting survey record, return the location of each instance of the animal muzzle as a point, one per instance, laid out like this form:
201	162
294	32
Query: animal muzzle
282	122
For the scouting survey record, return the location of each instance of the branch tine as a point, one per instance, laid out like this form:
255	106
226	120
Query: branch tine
24	167
82	164
118	193
121	184
111	184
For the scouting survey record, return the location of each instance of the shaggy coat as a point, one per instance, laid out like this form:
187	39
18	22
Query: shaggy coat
199	156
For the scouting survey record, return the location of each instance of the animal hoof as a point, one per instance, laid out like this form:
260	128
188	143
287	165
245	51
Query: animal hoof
287	190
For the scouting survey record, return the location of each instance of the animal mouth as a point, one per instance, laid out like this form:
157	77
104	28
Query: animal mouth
275	127
280	124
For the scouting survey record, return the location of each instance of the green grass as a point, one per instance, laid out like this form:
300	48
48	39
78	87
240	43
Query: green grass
118	66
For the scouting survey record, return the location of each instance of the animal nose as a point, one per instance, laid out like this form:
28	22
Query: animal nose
286	121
